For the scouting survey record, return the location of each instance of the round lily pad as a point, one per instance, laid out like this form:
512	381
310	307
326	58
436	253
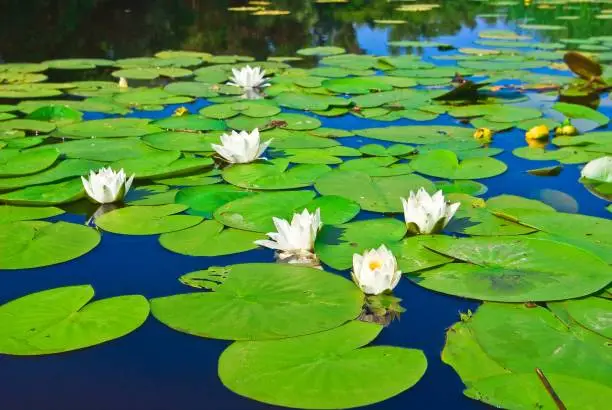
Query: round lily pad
263	301
147	220
417	134
161	165
321	51
108	128
32	244
48	194
336	244
335	209
14	162
378	194
10	213
210	238
182	141
497	351
255	212
205	200
445	164
61	320
335	359
272	175
515	269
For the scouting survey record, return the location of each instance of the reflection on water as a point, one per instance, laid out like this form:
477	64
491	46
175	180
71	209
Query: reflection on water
115	29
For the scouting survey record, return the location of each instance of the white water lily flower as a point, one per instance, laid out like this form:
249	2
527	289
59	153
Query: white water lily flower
240	148
295	240
427	214
107	186
376	271
248	77
123	83
599	169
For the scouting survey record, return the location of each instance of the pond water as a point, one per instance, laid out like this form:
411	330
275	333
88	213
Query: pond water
156	367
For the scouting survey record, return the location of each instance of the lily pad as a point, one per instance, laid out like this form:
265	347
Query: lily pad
263	301
65	169
378	194
417	134
32	244
147	220
273	175
210	238
30	327
336	245
334	358
48	194
10	213
445	164
498	365
515	269
108	128
205	200
161	165
255	213
15	163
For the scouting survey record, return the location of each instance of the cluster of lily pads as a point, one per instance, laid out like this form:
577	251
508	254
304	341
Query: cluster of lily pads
247	170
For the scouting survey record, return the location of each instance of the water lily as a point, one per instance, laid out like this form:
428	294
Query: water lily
295	241
242	147
566	129
123	83
599	169
427	214
107	186
180	111
483	134
537	133
248	77
376	271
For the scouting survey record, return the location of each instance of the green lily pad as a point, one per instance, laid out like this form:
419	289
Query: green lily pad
263	301
10	213
182	141
102	149
445	164
581	112
321	51
335	210
65	169
210	238
378	194
413	256
584	231
147	220
161	165
336	245
149	96
515	269
417	134
146	73
30	328
15	163
27	125
356	85
49	194
255	213
32	244
109	128
309	102
273	175
485	351
190	123
205	200
335	358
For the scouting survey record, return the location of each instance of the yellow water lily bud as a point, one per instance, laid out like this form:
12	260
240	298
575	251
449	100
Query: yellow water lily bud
566	129
537	143
538	133
483	134
179	112
123	83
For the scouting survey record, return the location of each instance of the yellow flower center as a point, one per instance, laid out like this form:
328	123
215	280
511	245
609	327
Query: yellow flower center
375	265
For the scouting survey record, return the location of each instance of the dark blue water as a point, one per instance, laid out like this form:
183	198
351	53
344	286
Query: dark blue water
156	368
